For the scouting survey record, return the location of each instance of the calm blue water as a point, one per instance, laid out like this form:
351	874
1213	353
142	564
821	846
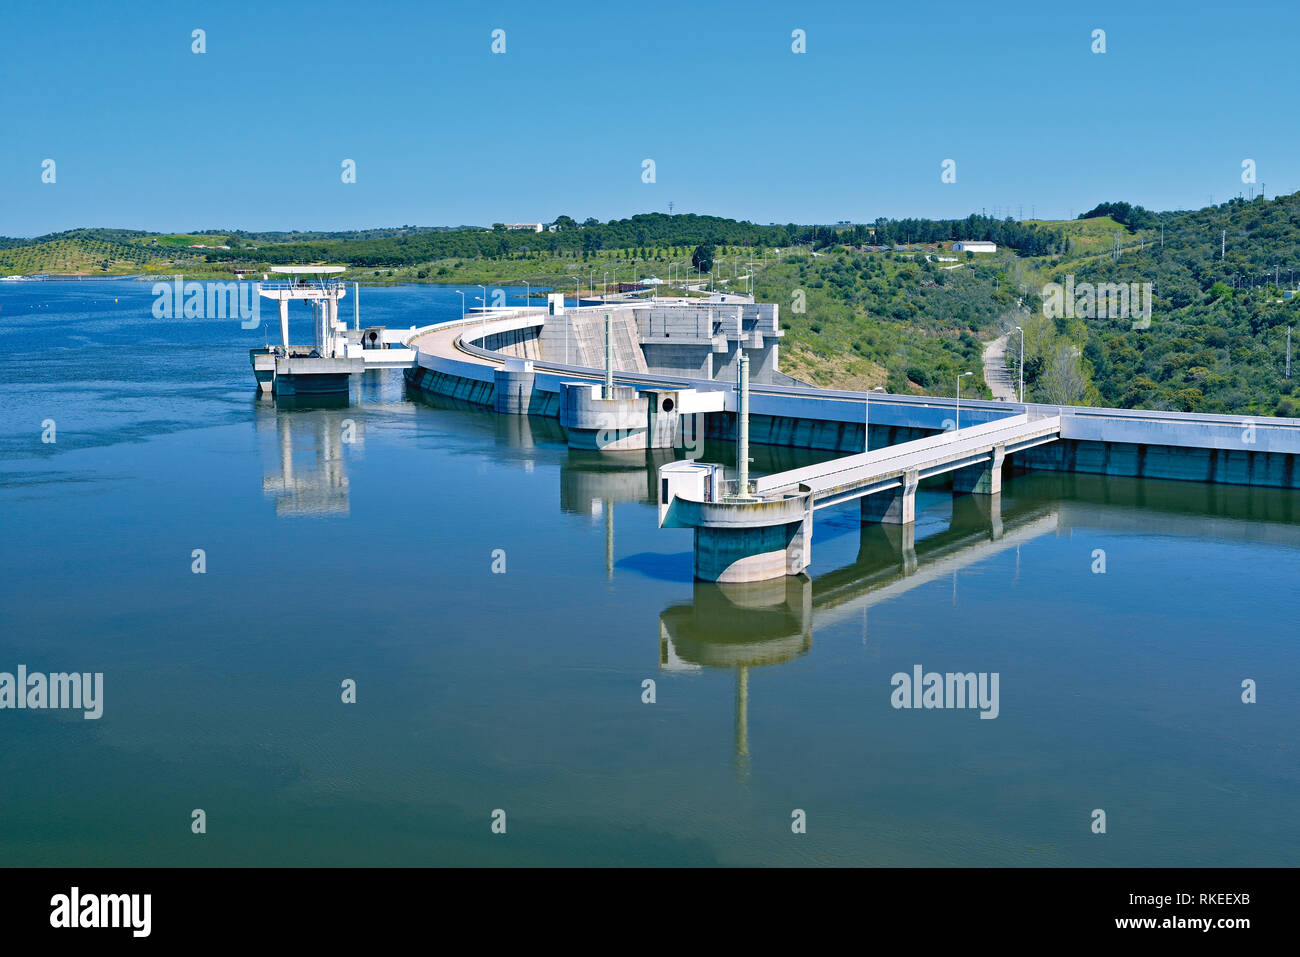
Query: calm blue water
371	560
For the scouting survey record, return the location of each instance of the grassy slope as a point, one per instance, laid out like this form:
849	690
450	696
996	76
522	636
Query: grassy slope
893	319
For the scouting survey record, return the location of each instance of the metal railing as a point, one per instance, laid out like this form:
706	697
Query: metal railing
730	488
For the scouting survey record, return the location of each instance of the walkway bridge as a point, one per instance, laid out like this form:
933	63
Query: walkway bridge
764	529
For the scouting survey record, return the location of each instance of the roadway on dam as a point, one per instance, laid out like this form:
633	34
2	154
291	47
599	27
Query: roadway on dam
1227	447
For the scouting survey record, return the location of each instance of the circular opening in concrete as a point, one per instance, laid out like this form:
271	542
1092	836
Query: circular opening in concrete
668	405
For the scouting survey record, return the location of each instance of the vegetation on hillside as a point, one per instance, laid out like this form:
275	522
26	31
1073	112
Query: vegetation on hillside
886	303
1216	341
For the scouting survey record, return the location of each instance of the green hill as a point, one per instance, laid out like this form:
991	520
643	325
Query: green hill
885	303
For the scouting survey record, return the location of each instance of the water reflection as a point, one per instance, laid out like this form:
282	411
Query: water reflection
753	625
748	625
304	468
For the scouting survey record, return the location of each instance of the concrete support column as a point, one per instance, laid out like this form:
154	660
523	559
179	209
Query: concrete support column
895	506
609	356
978	512
742	425
798	554
983	478
284	322
752	553
317	342
513	388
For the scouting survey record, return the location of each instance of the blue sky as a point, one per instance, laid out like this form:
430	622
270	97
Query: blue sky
146	134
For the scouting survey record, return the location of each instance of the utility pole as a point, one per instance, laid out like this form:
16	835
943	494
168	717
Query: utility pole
1223	245
1288	352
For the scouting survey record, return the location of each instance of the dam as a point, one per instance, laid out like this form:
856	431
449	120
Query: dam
353	537
676	371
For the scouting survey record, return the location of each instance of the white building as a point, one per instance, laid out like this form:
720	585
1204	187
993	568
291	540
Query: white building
974	246
531	227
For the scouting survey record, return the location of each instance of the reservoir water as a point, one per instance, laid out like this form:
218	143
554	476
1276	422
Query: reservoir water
499	602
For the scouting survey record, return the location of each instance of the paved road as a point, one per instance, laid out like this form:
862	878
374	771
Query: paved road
996	373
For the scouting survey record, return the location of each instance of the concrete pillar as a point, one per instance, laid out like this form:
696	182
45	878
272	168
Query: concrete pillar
749	553
742	425
983	478
609	356
284	322
895	506
591	422
971	512
330	308
513	389
798	553
316	326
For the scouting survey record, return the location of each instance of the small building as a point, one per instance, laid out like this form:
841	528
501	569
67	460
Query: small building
974	246
530	227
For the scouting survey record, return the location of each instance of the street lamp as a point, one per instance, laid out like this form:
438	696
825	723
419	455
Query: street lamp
866	420
1022	363
483	324
959	378
528	294
462	306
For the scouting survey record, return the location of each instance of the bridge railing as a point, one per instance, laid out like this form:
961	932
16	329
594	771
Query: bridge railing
730	488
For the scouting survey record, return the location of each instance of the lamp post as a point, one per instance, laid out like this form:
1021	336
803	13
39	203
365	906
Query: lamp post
528	294
1022	363
462	306
483	324
959	378
866	420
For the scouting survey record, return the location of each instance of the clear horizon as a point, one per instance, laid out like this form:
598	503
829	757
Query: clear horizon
252	134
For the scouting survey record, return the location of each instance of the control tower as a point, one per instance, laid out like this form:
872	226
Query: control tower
322	367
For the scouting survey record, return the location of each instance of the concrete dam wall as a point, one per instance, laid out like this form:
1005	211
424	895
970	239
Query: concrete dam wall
1226	450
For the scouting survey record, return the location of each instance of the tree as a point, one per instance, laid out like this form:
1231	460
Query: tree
702	258
1063	382
565	222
